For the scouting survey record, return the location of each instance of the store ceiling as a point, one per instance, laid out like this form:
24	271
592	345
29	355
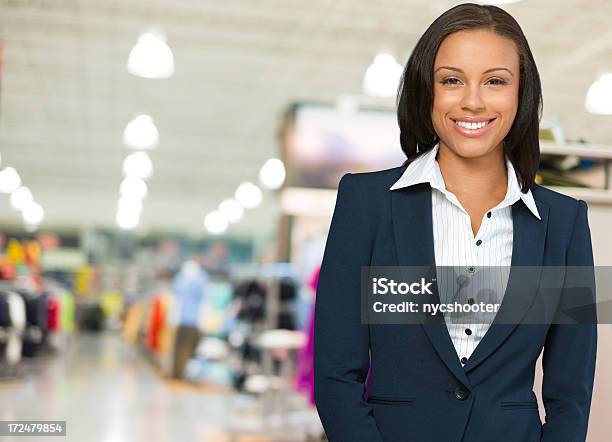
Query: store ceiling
66	96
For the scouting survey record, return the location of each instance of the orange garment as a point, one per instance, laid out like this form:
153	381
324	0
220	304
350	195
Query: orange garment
157	322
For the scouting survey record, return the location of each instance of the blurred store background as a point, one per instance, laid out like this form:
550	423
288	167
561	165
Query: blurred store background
168	172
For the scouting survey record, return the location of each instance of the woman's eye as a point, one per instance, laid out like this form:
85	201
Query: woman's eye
498	81
449	80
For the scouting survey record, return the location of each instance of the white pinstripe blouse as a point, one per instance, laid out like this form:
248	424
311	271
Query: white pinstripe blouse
456	245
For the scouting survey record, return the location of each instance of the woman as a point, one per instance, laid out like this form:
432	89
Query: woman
468	108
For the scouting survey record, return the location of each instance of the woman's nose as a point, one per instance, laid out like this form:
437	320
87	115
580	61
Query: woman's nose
472	99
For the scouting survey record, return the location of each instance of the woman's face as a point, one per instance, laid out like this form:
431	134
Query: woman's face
476	81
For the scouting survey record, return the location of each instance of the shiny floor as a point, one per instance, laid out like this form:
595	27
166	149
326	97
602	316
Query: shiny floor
107	391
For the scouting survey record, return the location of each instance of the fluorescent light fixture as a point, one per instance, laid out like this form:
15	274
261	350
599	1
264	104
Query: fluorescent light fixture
129	204
272	174
151	57
382	76
141	133
231	210
33	213
133	188
127	220
138	165
9	180
21	198
599	96
215	223
248	195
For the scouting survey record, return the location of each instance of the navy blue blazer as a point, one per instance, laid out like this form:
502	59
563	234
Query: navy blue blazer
419	391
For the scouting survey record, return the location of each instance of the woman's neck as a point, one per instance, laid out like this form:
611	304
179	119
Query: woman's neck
486	176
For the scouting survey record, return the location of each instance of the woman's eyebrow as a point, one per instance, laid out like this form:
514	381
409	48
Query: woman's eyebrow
485	72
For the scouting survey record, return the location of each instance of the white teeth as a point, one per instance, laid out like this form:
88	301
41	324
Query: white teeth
471	126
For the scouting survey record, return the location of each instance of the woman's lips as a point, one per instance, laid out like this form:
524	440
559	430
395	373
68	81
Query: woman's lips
473	133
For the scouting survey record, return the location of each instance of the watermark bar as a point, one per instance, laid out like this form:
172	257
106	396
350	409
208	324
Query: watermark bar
32	428
486	294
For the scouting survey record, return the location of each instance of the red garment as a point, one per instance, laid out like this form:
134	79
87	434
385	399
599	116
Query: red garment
53	314
156	322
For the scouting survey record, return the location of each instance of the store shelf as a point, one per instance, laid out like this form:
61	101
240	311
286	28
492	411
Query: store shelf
595	196
582	150
320	202
595	151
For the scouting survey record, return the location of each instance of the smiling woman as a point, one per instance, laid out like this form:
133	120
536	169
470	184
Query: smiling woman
473	65
469	106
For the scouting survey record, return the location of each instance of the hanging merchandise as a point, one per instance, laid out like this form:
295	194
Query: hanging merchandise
157	321
60	315
36	318
15	252
67	312
304	378
15	326
133	322
83	280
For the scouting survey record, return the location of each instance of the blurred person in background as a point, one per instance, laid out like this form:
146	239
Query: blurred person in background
189	288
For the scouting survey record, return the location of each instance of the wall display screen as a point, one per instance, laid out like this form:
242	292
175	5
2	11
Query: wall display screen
323	142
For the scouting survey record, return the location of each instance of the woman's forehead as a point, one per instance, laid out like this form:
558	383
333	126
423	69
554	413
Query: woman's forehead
476	51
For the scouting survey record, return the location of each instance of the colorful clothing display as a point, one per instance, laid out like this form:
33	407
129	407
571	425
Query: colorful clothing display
304	380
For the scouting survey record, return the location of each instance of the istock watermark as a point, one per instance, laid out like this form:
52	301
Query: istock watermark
486	294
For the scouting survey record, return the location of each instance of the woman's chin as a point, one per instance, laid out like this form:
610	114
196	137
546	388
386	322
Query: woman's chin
472	148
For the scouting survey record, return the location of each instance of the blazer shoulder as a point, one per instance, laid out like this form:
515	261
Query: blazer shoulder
557	201
564	211
379	180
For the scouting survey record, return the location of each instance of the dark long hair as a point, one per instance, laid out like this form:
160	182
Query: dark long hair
415	92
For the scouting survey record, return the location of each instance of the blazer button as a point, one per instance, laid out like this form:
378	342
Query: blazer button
461	393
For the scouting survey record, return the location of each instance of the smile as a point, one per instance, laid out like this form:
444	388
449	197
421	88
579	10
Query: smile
473	129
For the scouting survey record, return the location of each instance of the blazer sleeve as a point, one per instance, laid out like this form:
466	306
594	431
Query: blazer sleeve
341	342
570	349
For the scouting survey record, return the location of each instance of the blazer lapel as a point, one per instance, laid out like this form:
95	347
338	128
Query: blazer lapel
529	235
413	230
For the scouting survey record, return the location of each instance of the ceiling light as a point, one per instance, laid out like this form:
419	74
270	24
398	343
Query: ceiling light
141	133
33	213
215	223
382	76
133	188
129	204
231	210
138	165
248	194
272	174
599	97
21	198
151	57
127	220
9	180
